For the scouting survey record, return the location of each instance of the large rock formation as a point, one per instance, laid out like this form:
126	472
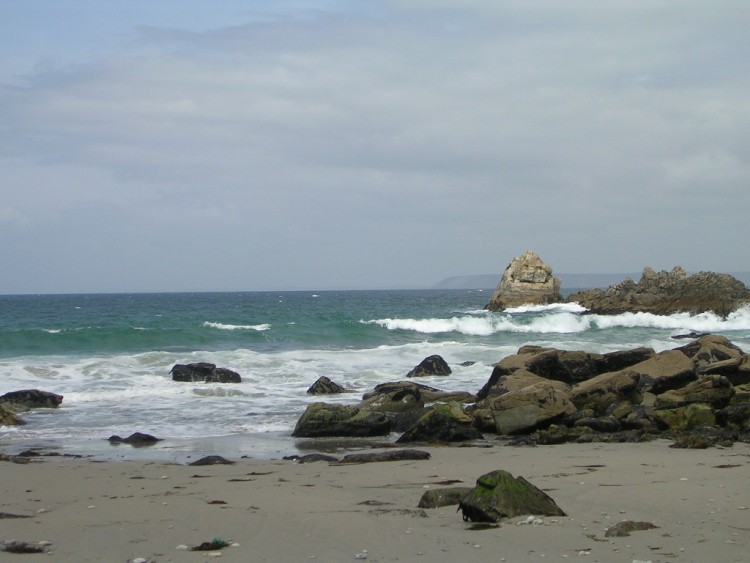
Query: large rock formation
526	281
664	293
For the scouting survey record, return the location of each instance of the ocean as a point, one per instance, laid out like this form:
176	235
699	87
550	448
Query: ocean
110	356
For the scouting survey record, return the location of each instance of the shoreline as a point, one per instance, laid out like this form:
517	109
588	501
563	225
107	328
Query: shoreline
279	510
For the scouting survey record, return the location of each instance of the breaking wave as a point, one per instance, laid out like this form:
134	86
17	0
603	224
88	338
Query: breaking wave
565	320
223	326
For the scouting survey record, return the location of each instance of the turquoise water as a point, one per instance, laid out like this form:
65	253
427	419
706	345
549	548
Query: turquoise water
110	356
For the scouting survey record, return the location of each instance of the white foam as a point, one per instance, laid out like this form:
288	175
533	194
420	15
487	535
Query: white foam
565	320
553	307
224	326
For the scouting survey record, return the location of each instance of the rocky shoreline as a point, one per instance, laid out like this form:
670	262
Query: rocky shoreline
697	394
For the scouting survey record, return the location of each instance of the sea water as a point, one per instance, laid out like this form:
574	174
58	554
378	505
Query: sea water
110	356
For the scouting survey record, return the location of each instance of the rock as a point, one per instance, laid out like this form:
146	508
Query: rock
569	367
432	365
388	455
390	387
527	408
27	399
499	495
623	529
9	418
322	419
665	293
526	280
324	386
735	416
736	370
515	381
400	400
212	460
710	349
667	370
599	392
715	390
443	423
621	359
684	418
136	439
312	458
205	372
599	424
437	498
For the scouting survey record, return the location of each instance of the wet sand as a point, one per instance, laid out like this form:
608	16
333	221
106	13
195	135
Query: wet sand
283	511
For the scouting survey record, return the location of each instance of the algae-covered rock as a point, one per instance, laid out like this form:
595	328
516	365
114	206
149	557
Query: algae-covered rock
499	495
436	498
323	419
443	423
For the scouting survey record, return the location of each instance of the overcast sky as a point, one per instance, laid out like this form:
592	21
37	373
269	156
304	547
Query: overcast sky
222	145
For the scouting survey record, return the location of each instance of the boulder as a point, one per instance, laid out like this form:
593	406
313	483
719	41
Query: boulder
735	416
27	399
527	408
599	392
442	423
499	495
400	400
715	390
205	372
391	386
387	455
136	439
736	370
432	365
324	386
670	369
436	498
664	293
684	418
526	280
517	380
322	419
710	349
8	417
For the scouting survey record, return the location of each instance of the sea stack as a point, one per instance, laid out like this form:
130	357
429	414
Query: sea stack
527	280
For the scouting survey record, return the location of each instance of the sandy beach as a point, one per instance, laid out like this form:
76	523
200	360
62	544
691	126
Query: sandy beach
279	510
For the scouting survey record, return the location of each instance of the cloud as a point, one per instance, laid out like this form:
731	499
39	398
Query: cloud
423	139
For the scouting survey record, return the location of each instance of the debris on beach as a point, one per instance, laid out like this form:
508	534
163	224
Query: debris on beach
214	544
623	529
13	546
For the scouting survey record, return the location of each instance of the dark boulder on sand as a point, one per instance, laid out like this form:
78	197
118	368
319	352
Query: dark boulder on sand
499	495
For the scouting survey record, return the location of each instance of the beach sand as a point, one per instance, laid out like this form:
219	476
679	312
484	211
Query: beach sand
283	511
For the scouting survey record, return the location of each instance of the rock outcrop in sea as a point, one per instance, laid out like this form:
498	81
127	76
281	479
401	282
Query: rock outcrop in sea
664	293
526	281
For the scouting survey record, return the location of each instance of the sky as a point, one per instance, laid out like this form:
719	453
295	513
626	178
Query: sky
184	145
